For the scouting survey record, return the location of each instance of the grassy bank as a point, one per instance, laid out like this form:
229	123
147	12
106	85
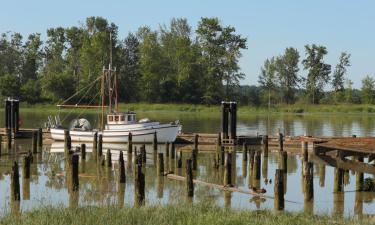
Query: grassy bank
296	109
204	214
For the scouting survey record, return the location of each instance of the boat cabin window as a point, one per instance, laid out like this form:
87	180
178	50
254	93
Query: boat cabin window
122	118
110	118
116	118
129	117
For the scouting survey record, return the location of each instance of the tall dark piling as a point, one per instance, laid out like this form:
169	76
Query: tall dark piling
244	152
283	161
15	182
224	119
1	143
279	190
281	142
34	142
218	142
130	142
155	142
109	158
265	167
322	175
144	154
308	180
95	145
167	149
74	172
139	186
359	179
122	176
228	169
26	188
265	145
67	142
257	165
40	138
194	158
83	151
222	155
9	138
26	166
304	150
173	150
189	178
100	146
338	180
179	161
160	164
196	138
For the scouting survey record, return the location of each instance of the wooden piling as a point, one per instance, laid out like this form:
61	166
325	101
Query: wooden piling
222	155
167	149
196	138
322	175
109	158
359	179
257	165
194	156
100	146
304	150
122	176
160	164
95	145
179	162
283	161
130	142
83	151
40	138
74	172
9	138
67	142
228	170
309	181
155	142
338	180
218	142
15	182
281	142
26	166
244	152
173	151
265	145
139	186
143	154
34	142
279	190
1	143
189	178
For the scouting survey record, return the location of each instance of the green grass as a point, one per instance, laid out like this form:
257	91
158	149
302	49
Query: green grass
197	214
291	109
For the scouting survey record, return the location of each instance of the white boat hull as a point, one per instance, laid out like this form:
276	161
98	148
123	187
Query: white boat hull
165	133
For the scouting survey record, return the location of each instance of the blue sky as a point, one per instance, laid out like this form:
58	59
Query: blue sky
270	26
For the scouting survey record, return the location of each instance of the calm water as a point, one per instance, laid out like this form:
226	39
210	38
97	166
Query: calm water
98	185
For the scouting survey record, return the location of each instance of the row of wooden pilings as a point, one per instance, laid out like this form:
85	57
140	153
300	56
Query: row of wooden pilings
36	140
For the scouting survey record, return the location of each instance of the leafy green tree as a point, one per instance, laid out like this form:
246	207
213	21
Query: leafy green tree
9	86
287	71
318	71
32	58
339	75
348	88
368	90
268	78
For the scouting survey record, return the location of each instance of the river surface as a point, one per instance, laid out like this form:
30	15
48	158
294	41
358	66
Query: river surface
99	186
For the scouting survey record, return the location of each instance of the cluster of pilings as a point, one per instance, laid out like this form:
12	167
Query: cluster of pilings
228	122
12	116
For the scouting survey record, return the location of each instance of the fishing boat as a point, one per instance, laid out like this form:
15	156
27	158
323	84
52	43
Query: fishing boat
115	126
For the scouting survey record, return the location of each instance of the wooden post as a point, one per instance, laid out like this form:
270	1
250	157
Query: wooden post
196	138
283	161
224	120
9	138
179	162
109	158
281	142
139	185
304	148
265	167
322	175
194	157
167	149
359	179
1	143
155	142
122	177
338	180
40	137
189	178
100	146
279	190
265	145
15	182
173	151
222	155
130	142
74	172
257	165
160	164
26	166
308	179
83	151
228	170
35	142
218	143
95	145
67	142
144	154
244	152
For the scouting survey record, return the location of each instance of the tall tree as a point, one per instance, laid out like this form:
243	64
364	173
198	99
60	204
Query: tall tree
318	71
287	70
368	90
338	78
268	78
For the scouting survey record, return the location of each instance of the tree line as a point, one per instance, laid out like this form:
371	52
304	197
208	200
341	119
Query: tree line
170	64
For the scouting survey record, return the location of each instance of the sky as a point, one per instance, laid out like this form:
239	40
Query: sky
270	25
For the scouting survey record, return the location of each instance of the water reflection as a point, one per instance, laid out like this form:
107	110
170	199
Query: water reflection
99	183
